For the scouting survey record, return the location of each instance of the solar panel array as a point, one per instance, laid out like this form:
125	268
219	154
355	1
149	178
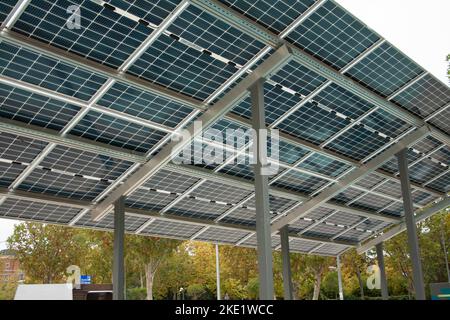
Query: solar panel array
57	80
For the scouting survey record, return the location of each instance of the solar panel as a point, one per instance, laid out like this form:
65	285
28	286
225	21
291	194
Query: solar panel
203	53
333	35
37	69
37	211
31	108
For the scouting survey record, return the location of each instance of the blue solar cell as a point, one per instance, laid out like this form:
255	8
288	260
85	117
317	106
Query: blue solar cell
343	101
64	185
9	172
239	170
424	97
31	67
300	182
290	153
384	122
85	163
208	32
298	78
385	70
21	105
443	155
425	170
442	184
357	143
153	11
103	35
19	149
313	124
324	165
6	7
144	104
276	15
333	35
117	132
172	64
391	165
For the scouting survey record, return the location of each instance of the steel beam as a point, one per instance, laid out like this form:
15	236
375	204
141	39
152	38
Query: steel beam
383	279
351	178
287	277
119	237
214	113
263	234
413	242
14	15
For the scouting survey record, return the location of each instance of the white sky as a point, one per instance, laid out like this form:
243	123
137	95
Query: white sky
419	28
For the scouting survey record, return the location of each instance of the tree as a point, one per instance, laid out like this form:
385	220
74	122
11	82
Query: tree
45	251
354	263
149	253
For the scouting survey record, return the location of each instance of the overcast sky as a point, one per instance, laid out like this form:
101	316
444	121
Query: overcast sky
419	28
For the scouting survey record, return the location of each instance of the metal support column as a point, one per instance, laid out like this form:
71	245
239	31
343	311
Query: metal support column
411	228
383	279
287	277
263	232
118	263
341	288
218	271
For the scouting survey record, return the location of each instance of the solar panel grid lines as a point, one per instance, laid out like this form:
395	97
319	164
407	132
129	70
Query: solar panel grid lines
10	11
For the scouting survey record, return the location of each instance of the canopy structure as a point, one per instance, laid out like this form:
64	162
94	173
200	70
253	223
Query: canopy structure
93	91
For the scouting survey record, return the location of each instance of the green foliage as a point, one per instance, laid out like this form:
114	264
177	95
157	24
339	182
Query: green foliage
8	290
136	293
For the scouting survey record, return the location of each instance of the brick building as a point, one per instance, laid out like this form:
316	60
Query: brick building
9	267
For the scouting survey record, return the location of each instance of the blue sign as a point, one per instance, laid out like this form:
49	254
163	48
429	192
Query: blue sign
85	279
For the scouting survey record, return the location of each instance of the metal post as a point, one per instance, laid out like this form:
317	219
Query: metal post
263	232
287	277
118	263
341	289
411	228
383	279
217	271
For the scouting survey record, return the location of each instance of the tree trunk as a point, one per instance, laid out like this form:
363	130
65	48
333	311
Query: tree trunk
361	285
149	275
317	283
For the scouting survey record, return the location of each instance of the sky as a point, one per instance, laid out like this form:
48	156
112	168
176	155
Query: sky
418	28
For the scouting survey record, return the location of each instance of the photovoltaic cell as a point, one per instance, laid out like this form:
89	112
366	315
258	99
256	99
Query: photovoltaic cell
383	122
178	67
220	192
422	198
371	202
424	97
144	104
9	172
385	70
153	11
425	170
38	69
344	218
208	32
395	209
117	132
300	245
170	181
313	124
441	121
343	101
347	195
391	165
300	182
19	149
392	188
36	211
427	144
85	163
103	35
194	208
299	225
222	235
319	213
241	216
443	155
276	204
149	199
63	185
330	249
132	223
324	165
171	229
370	181
298	78
239	170
332	35
276	15
290	153
6	7
24	106
442	184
